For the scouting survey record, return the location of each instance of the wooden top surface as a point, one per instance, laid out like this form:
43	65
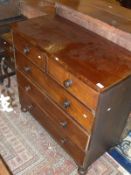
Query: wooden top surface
90	57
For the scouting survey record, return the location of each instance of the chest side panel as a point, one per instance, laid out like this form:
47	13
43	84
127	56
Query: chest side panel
111	116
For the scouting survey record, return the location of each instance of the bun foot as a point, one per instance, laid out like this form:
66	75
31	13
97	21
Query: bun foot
81	171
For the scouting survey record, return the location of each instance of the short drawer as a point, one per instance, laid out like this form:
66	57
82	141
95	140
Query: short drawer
62	120
83	92
27	103
67	102
36	55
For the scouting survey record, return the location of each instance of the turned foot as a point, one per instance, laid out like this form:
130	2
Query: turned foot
81	171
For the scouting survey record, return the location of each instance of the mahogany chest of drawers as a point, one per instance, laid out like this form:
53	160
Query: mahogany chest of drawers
75	83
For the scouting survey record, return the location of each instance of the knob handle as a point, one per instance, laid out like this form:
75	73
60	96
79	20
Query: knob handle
67	104
27	88
27	69
26	50
64	124
67	83
63	141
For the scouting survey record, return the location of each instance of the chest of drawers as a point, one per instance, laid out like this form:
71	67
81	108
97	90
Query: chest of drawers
75	83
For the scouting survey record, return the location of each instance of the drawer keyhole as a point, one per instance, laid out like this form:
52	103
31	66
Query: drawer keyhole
67	83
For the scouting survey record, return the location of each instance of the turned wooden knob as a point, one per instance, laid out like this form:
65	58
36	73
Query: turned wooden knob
67	83
26	50
66	104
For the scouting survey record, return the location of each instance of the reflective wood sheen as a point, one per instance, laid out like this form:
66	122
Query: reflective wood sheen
33	53
77	110
84	90
48	124
71	129
90	57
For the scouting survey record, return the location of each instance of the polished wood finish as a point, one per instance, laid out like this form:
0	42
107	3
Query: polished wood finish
44	119
82	93
76	109
77	88
61	119
36	55
88	56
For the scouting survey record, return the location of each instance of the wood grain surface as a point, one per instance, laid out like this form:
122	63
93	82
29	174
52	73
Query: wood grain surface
88	56
76	109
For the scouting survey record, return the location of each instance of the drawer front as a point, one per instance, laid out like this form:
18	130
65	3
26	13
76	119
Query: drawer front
62	120
66	101
33	53
76	153
84	93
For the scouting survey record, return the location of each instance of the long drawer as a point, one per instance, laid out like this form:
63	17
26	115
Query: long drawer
67	102
35	54
72	84
44	119
62	120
